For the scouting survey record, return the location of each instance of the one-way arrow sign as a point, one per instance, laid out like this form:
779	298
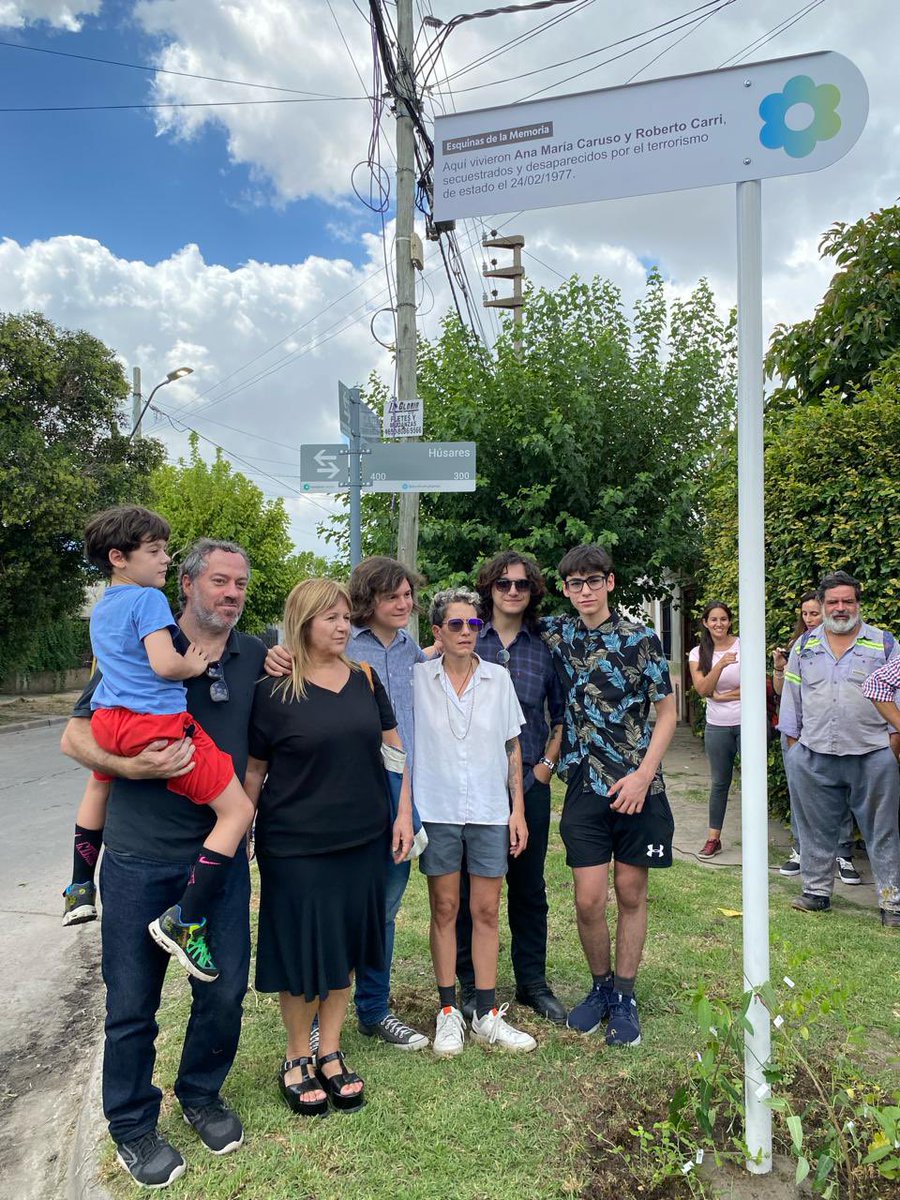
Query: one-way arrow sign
324	468
327	464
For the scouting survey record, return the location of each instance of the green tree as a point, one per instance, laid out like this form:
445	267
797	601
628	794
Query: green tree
201	499
63	455
855	328
599	431
832	497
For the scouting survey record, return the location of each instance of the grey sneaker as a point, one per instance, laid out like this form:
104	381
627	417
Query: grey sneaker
847	873
218	1128
890	918
79	903
150	1160
394	1032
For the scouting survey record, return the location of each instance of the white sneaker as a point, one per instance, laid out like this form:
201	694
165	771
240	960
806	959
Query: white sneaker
494	1031
449	1033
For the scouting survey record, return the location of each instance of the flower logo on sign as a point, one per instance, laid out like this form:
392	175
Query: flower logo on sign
775	110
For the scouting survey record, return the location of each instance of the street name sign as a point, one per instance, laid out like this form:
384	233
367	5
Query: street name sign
369	423
780	117
404	418
389	467
420	467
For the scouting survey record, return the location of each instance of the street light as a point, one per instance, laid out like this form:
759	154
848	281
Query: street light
178	373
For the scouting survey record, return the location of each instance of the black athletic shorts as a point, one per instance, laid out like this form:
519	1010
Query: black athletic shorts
593	833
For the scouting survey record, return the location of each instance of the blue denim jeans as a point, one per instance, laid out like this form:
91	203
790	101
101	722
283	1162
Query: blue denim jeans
134	891
373	988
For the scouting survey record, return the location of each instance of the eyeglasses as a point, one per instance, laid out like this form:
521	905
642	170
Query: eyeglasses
456	624
594	582
218	689
512	585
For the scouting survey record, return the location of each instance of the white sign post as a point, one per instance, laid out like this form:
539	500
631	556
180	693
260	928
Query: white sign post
740	125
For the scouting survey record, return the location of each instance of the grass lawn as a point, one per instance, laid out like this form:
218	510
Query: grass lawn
492	1127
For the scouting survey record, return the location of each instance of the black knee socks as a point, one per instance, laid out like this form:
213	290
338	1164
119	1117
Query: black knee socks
87	851
207	876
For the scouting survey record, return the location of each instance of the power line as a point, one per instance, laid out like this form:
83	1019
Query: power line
590	53
693	19
774	32
175	423
48	108
112	62
520	39
677	42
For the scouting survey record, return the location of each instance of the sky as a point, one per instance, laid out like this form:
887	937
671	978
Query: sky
226	235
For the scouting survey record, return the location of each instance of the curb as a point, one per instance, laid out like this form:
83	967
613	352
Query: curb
81	1177
32	723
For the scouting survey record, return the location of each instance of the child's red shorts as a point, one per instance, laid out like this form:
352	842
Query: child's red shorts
121	731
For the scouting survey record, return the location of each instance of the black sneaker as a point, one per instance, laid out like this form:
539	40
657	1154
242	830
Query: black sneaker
791	865
807	902
890	918
150	1160
847	873
218	1128
80	903
186	942
396	1033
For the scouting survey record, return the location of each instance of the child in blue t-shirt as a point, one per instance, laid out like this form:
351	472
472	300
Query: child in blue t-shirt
140	699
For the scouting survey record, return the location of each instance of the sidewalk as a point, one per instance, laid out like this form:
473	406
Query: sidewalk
687	786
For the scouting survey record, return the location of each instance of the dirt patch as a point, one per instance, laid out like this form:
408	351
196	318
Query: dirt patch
25	708
42	1084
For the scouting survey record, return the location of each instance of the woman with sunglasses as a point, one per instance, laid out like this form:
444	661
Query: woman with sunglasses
467	774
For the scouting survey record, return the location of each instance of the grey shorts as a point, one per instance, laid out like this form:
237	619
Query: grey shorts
486	847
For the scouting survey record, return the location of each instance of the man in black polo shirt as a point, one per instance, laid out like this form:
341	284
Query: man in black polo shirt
150	840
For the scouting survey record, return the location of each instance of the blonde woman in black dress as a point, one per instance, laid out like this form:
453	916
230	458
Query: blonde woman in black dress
323	838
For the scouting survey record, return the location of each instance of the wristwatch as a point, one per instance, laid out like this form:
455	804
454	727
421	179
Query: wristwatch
547	762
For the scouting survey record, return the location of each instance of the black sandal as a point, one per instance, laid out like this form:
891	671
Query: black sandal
295	1093
332	1084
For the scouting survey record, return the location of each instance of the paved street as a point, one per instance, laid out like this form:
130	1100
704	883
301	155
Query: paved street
50	1017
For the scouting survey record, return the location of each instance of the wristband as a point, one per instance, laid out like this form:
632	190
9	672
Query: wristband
547	762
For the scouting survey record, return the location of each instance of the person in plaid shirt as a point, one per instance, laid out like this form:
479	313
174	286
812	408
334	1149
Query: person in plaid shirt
883	689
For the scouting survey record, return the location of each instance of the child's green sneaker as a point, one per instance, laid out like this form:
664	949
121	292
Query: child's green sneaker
80	903
187	943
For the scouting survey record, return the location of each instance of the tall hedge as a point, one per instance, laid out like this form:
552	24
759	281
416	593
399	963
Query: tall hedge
832	494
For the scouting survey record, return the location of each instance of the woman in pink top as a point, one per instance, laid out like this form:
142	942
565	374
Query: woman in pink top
716	674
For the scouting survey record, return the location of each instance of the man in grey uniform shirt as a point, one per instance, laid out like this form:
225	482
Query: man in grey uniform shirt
839	748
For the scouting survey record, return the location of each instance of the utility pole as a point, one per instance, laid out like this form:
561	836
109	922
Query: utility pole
516	272
136	401
408	533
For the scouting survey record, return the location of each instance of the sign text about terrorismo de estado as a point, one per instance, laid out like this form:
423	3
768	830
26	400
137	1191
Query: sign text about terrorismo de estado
688	131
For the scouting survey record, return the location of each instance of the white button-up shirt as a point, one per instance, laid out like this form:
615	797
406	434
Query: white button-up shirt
460	767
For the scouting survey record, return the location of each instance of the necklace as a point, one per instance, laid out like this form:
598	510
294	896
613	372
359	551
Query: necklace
460	737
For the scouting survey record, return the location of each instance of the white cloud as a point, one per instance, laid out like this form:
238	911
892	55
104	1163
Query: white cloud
185	312
62	14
